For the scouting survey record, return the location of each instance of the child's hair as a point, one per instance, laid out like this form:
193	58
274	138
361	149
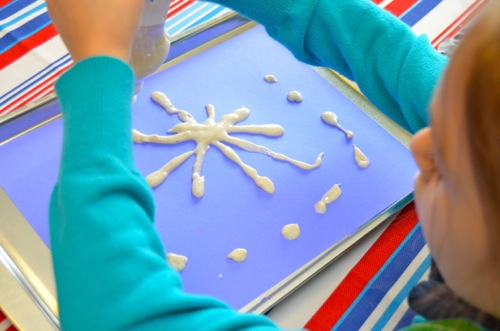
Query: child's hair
482	116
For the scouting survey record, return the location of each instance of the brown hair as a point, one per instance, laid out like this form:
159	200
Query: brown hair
482	116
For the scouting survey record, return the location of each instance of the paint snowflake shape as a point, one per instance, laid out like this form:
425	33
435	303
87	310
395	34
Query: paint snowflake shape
211	133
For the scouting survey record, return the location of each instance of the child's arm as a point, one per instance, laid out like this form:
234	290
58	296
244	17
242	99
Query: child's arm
111	270
110	267
396	70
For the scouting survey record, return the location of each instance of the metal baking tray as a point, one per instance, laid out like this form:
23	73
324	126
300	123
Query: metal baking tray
221	62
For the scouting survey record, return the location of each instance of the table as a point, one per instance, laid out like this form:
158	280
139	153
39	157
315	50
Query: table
339	295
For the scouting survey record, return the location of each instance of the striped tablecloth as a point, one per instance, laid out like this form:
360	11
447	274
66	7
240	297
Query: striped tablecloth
373	294
32	56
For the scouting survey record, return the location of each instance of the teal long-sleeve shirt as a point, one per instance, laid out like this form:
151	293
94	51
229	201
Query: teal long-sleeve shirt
396	70
109	262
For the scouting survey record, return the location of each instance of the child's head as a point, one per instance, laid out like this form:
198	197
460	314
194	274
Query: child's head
458	188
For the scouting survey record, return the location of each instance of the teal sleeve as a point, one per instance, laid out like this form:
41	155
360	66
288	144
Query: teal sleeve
110	266
396	70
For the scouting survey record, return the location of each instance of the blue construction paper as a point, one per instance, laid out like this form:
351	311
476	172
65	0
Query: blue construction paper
234	212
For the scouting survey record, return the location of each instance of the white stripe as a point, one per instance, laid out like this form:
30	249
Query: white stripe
385	3
21	12
23	21
441	17
30	93
187	16
5	324
35	79
445	34
403	308
395	289
23	69
458	23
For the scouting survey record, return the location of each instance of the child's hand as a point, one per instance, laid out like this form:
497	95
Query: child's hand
97	27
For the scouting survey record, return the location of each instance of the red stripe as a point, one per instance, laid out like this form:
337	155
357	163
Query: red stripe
175	3
27	45
465	16
10	107
377	2
4	2
359	276
40	94
44	91
397	8
178	9
3	318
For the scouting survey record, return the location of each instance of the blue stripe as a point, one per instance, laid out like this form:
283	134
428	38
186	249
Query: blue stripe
418	11
25	31
13	7
181	16
39	76
403	293
385	278
206	17
20	17
201	19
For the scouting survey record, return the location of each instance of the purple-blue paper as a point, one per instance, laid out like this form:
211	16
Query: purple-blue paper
234	212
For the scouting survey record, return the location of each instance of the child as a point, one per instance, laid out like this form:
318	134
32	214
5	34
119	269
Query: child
108	260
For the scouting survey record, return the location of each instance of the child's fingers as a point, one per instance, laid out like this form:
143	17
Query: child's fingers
96	27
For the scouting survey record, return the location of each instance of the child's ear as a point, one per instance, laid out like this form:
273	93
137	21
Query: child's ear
422	150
